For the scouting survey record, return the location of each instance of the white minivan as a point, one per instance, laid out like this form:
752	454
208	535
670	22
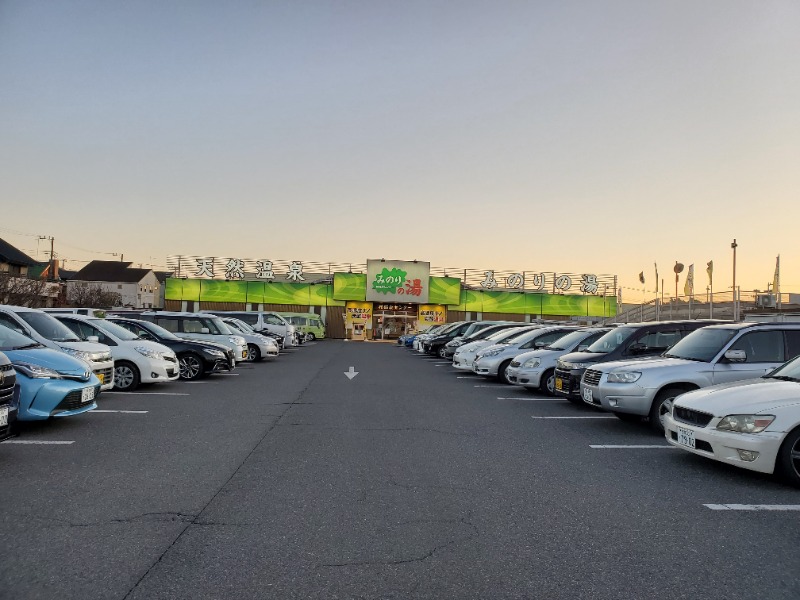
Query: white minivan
135	360
50	332
266	321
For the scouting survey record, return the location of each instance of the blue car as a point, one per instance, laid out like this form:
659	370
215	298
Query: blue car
50	383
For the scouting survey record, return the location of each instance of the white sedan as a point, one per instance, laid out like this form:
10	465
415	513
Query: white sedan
754	424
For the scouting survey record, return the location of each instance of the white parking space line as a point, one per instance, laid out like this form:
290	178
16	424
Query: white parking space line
468	377
595	417
124	412
146	393
774	507
229	374
533	399
497	385
633	446
41	442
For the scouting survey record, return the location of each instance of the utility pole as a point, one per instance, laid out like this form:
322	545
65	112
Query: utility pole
734	245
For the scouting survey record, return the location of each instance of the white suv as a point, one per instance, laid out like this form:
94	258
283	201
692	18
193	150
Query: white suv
135	360
50	332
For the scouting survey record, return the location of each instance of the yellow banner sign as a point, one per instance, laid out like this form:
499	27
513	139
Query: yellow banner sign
358	312
431	314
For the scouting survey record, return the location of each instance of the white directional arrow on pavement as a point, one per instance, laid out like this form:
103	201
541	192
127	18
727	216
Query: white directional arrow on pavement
351	373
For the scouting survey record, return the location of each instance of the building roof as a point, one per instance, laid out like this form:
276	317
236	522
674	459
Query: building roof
11	255
163	275
111	271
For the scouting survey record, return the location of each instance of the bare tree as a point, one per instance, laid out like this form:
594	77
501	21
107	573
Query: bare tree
22	291
87	295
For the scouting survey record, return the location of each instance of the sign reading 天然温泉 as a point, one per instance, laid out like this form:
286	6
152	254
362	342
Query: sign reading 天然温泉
398	281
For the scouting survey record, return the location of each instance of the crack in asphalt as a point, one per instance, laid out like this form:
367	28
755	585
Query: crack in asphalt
195	518
152	517
426	555
390	429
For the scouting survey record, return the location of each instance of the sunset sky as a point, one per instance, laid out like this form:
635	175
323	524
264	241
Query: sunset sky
588	136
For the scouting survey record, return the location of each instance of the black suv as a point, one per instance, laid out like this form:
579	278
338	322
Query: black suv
633	340
196	359
435	345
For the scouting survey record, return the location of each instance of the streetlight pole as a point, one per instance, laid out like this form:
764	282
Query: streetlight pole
734	245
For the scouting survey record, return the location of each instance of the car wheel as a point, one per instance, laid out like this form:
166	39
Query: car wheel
788	462
191	366
311	337
657	411
126	376
441	352
253	353
547	384
501	371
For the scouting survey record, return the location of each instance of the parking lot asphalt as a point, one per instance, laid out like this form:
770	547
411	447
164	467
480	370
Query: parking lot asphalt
286	479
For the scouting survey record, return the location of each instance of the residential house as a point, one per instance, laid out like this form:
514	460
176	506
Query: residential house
138	288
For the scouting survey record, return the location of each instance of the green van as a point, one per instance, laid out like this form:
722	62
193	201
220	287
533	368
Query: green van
309	323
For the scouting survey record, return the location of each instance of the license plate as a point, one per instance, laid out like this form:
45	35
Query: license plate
559	384
686	437
587	395
3	416
87	394
244	353
101	377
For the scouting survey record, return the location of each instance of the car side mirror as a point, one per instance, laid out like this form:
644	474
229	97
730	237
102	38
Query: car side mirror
581	347
637	348
736	356
93	338
204	330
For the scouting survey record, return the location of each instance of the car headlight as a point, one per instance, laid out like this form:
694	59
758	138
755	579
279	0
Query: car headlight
234	340
624	377
493	352
87	356
569	366
36	371
532	363
745	423
215	353
148	352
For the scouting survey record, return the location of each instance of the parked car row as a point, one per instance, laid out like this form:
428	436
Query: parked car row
725	391
55	364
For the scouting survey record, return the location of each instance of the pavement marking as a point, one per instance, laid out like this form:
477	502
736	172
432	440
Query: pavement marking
148	393
532	399
41	442
633	446
599	417
229	374
124	412
468	377
496	385
775	507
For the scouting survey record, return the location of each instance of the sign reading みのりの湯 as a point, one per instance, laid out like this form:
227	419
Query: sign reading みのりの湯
398	281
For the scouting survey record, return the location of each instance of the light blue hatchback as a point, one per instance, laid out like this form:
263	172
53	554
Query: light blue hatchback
51	383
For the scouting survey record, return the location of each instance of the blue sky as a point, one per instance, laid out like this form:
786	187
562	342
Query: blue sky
562	136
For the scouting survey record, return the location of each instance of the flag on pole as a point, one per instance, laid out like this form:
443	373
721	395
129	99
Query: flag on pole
776	280
710	271
641	277
688	288
656	266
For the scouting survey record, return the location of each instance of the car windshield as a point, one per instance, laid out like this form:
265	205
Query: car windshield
508	335
612	340
11	340
114	330
702	344
244	327
161	332
789	371
569	340
48	326
216	326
